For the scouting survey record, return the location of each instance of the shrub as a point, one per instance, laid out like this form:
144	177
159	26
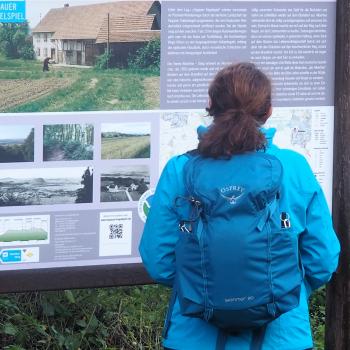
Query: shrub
147	56
74	150
15	41
111	318
27	52
102	61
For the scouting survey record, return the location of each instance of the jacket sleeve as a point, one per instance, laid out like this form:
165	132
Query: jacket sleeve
319	245
157	246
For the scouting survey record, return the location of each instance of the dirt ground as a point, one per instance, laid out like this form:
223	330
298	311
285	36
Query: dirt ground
19	91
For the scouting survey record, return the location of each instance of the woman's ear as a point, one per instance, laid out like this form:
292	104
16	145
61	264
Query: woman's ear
209	102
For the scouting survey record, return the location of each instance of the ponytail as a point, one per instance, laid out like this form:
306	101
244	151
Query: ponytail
233	133
240	99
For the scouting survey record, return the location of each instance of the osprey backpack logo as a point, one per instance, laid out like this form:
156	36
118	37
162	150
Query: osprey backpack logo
232	193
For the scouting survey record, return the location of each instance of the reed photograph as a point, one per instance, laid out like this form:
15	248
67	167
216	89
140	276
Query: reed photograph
125	140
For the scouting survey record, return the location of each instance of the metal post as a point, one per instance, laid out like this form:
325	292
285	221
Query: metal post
338	291
108	40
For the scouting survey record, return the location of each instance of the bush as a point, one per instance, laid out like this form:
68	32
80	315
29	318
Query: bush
317	307
27	52
102	61
15	41
75	151
111	318
147	56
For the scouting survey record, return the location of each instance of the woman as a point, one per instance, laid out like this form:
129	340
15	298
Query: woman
240	103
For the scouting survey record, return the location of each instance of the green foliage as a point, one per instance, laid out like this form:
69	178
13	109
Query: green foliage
68	142
74	150
27	52
102	61
147	56
15	41
110	318
114	318
318	317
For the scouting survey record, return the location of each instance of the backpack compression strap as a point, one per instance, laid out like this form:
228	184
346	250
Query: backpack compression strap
258	338
221	340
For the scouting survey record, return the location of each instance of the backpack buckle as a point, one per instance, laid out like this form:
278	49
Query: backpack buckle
184	228
285	220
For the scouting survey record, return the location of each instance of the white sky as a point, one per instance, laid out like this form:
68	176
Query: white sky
127	128
45	173
36	9
14	131
125	170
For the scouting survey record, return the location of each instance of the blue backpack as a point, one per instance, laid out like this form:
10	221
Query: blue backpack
237	261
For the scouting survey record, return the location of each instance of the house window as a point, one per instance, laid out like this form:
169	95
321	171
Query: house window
45	37
45	52
38	38
65	45
38	52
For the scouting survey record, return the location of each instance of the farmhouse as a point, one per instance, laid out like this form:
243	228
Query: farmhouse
76	35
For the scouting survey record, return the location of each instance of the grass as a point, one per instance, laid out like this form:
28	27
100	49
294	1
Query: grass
88	89
126	147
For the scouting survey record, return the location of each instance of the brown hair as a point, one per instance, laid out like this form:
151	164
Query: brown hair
240	99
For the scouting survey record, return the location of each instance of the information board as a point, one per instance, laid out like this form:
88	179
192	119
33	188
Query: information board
82	147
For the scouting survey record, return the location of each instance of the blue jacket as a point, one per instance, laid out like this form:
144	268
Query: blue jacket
318	245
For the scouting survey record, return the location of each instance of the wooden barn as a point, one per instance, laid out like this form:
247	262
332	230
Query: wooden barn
76	35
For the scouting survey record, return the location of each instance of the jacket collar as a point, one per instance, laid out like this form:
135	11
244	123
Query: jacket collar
269	135
268	132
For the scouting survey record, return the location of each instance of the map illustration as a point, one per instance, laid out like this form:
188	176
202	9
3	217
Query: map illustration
178	132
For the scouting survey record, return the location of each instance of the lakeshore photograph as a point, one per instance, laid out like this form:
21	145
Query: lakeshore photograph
46	186
16	143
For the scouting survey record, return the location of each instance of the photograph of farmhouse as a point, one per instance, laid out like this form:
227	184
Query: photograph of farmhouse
79	34
82	55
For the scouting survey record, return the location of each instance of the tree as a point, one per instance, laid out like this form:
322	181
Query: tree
28	147
15	41
84	194
147	56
